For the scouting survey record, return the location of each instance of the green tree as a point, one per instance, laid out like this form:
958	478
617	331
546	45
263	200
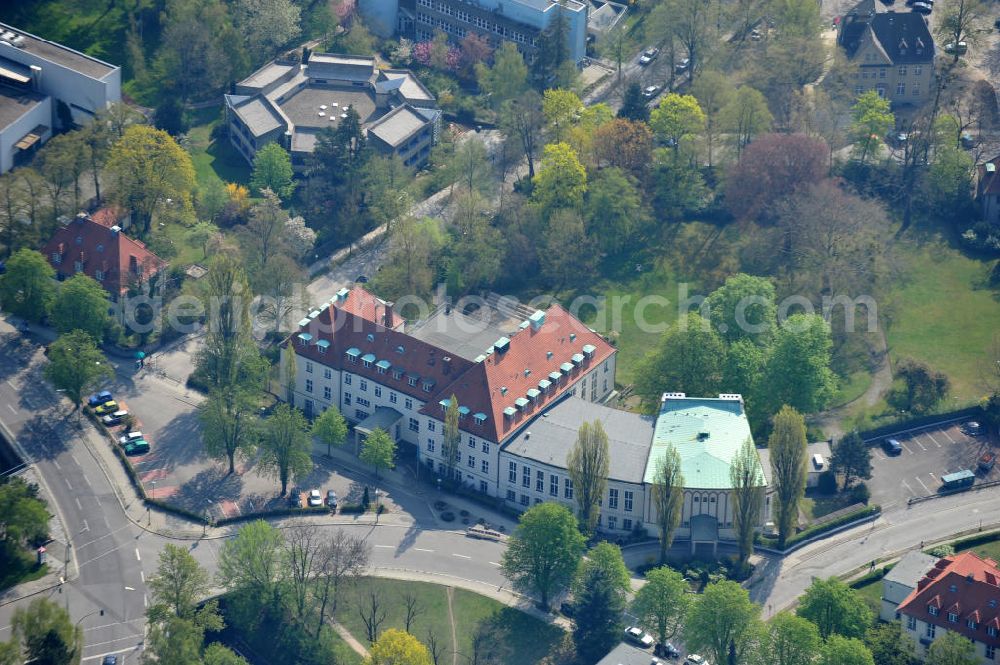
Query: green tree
567	249
634	103
662	602
788	468
714	92
689	357
522	121
10	653
951	648
272	169
599	602
560	108
872	118
588	463
397	647
201	234
747	480
544	551
266	25
668	497
741	374
561	181
219	654
745	116
330	428
414	255
614	210
28	286
81	304
176	641
47	634
379	450
507	78
229	425
675	118
677	186
744	308
791	640
798	370
835	608
285	446
76	365
722	623
450	446
949	180
924	388
840	650
889	645
147	167
852	458
180	582
24	518
251	563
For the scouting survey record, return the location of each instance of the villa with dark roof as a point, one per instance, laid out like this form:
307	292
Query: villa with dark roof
290	103
891	53
524	381
960	593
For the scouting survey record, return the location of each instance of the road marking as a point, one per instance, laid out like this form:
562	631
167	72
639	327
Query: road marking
12	409
78	504
137	557
494	563
461	556
908	488
86	480
905	448
113	653
931	437
145	601
129	588
922	485
67	483
914	440
75	460
142	576
55	463
386	547
947	436
13	387
420	549
86	527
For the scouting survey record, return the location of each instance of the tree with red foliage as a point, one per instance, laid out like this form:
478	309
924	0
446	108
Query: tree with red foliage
772	168
626	144
472	49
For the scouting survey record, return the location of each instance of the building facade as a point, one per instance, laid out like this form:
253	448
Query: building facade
36	76
902	580
520	22
960	593
890	52
290	103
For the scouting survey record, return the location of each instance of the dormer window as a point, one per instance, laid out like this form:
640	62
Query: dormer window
397	374
78	266
932	610
952	617
991	631
971	624
56	258
411	380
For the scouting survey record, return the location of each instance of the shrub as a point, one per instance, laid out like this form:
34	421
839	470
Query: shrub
941	551
827	482
860	493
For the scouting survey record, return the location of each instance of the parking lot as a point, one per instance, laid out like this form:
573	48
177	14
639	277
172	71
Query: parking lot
928	453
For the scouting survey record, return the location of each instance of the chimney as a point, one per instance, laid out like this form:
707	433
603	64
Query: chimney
388	315
446	365
36	78
115	230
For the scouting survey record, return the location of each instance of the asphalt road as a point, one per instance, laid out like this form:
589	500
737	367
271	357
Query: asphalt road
103	541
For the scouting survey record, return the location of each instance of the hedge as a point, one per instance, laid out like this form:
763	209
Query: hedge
281	512
973	541
350	508
919	421
814	531
873	576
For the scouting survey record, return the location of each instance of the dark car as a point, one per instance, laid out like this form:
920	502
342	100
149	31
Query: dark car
922	8
361	279
331	498
100	398
110	660
972	428
666	650
892	447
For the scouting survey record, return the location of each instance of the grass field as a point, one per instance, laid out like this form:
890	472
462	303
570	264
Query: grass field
852	388
527	638
944	314
214	160
872	593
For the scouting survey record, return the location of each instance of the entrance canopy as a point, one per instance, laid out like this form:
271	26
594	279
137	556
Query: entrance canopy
384	418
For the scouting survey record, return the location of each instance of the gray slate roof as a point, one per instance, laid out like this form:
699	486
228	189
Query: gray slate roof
550	436
626	654
913	566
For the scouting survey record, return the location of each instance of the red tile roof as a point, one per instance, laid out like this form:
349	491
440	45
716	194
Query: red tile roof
487	387
965	584
121	260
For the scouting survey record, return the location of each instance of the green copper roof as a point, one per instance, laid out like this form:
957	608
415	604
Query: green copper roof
707	433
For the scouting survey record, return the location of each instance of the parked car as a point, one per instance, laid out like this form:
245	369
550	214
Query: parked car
638	637
986	461
106	407
650	91
898	139
892	447
100	398
682	66
666	650
112	419
648	56
130	437
972	428
331	498
110	660
361	279
315	499
922	7
139	447
967	140
954	49
695	659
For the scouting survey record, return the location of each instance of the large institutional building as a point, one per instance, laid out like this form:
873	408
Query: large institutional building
290	103
524	381
36	75
517	21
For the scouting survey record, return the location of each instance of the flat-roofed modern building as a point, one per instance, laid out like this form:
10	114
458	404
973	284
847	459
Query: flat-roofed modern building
517	21
290	103
35	76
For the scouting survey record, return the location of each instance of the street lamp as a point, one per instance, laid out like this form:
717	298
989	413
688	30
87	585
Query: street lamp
90	614
377	506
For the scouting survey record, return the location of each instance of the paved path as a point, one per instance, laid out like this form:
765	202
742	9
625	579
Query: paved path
831	421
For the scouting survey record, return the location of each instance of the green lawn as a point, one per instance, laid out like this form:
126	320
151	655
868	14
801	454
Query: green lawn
851	388
527	638
872	593
214	160
944	314
991	550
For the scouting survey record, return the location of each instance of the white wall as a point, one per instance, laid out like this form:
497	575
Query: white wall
41	114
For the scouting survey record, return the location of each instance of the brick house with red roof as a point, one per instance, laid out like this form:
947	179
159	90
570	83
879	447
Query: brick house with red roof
961	593
357	354
95	246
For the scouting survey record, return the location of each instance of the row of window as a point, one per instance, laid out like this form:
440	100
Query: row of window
464	16
918	70
900	90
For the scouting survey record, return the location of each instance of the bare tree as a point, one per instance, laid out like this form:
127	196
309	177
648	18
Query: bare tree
342	559
372	611
522	120
435	646
488	645
961	22
412	608
303	550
